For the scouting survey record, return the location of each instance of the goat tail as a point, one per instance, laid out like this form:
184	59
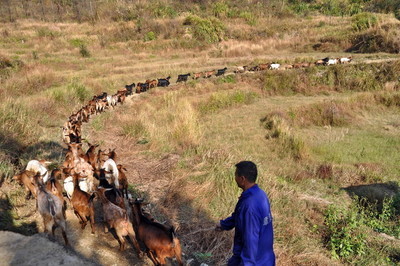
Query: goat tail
174	238
92	197
52	208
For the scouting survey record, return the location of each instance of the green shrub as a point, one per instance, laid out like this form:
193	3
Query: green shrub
345	237
164	11
150	36
206	30
248	17
79	91
364	21
47	33
220	9
83	50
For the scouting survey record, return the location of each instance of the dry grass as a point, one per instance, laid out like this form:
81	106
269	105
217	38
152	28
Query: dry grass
56	80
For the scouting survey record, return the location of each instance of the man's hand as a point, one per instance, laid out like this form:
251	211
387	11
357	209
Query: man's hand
218	227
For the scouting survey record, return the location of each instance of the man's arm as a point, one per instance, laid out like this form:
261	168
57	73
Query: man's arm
228	223
251	230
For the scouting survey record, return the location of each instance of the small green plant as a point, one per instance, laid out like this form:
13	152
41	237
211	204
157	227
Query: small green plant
164	11
35	55
83	50
79	91
364	21
220	9
150	36
76	42
344	233
248	17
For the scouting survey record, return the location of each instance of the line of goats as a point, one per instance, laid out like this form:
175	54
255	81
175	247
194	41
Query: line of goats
90	174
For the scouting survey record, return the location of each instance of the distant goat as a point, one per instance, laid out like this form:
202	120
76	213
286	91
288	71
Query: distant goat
183	77
221	72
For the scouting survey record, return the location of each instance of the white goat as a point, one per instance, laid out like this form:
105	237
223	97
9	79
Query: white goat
344	60
274	66
38	167
111	166
69	185
331	62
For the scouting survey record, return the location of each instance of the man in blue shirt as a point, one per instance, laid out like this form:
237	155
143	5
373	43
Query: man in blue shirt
252	220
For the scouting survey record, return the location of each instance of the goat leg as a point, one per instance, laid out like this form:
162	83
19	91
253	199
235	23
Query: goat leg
152	257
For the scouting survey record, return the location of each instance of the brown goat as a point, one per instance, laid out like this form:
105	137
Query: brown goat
117	218
91	156
122	180
82	202
161	242
51	209
26	178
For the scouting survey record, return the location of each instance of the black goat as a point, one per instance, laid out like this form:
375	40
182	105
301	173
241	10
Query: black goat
183	77
221	72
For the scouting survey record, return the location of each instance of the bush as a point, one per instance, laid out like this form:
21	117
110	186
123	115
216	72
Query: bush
344	232
206	30
150	36
364	21
220	9
83	50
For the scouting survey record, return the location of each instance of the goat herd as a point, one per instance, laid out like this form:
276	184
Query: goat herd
85	175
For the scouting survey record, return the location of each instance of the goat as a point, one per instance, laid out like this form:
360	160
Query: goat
160	241
112	193
142	87
345	60
82	203
152	83
208	74
129	89
117	218
240	69
56	189
331	62
263	67
38	167
182	77
197	75
111	171
51	209
274	66
163	82
221	72
25	178
123	181
90	155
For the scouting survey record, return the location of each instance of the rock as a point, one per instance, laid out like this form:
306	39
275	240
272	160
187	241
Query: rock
17	249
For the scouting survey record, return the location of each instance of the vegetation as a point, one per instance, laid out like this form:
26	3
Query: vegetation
320	135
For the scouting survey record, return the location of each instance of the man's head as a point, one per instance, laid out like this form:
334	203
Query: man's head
245	174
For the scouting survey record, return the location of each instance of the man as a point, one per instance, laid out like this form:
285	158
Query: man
252	220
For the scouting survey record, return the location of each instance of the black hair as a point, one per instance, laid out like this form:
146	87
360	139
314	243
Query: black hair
247	169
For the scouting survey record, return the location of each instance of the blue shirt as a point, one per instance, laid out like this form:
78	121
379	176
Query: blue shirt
254	237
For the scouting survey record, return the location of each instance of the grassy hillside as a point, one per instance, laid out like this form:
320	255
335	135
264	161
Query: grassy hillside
319	135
